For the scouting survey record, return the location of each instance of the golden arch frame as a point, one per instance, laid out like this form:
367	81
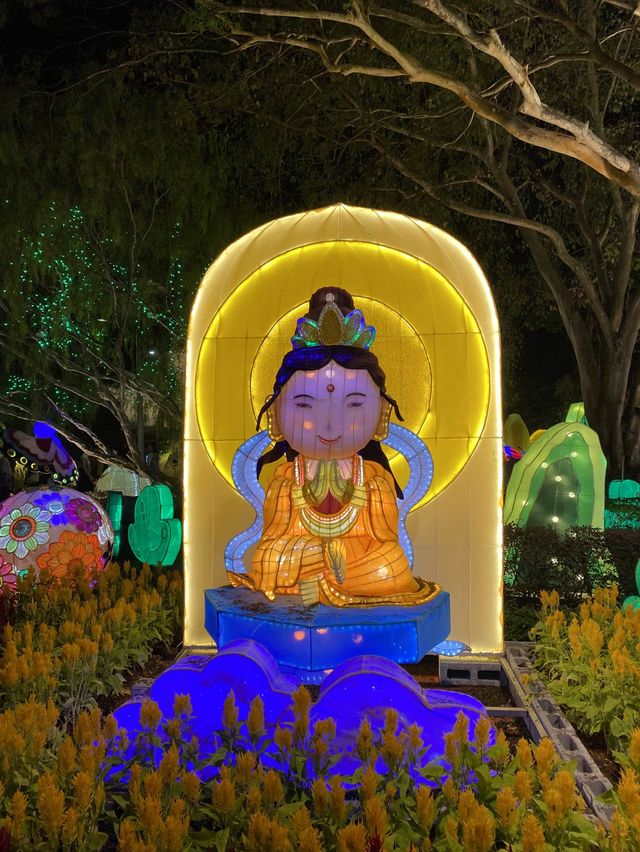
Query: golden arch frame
457	536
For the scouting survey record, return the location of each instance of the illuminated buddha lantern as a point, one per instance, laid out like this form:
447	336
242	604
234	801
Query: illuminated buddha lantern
330	514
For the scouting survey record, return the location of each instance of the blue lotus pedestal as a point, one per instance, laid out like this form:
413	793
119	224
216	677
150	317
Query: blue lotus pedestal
311	642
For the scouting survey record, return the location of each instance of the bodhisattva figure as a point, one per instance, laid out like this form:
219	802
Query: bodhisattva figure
330	513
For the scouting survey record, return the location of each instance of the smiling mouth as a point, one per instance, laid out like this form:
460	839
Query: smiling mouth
329	440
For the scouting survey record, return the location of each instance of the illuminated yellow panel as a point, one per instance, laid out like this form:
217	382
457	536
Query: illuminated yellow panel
439	345
428	343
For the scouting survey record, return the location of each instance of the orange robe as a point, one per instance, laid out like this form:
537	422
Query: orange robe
376	565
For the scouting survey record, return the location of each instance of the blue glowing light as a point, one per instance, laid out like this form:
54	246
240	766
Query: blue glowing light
420	464
363	687
310	641
243	471
450	648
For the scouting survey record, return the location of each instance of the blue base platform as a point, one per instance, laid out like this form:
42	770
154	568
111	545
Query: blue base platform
311	642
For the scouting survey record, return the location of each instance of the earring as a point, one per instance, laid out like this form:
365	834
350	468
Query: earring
382	429
273	427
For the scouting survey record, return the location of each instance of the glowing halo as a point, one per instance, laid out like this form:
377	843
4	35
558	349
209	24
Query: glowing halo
421	321
415	270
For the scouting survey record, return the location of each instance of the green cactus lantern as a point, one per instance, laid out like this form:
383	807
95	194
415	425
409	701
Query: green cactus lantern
560	481
155	536
515	433
114	510
634	600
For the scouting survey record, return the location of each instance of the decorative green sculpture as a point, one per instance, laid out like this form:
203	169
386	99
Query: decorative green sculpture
516	433
624	489
114	510
576	414
155	536
560	481
633	600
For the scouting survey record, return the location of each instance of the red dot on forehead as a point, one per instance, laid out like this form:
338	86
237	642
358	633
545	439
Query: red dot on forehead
330	387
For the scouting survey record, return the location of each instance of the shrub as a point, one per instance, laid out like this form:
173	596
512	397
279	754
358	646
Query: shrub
591	663
61	791
71	642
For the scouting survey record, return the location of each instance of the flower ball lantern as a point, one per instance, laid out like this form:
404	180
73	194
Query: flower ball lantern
53	528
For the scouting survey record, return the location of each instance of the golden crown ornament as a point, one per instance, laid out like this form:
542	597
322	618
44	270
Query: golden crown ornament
334	329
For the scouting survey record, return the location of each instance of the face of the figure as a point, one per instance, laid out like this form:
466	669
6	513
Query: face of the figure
329	413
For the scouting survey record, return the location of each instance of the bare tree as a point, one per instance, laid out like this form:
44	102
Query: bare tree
517	112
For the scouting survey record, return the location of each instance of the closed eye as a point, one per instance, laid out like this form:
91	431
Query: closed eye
303	405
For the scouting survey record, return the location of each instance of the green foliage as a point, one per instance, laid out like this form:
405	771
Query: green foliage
591	663
540	558
78	791
75	641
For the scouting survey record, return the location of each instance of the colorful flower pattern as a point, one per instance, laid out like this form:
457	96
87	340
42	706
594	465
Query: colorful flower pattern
84	515
24	529
72	551
8	578
55	504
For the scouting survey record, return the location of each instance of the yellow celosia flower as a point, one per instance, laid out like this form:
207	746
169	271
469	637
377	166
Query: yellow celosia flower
245	764
70	825
182	706
564	784
450	791
309	840
17	811
479	833
524	757
481	734
283	738
634	748
369	783
450	827
272	789
170	765
224	795
375	815
153	784
364	740
230	711
301	701
174	728
110	727
352	838
467	805
50	804
321	797
259	833
629	791
150	714
461	729
506	809
253	799
501	754
532	835
300	821
392	750
546	757
177	826
555	809
338	806
425	807
82	790
522	786
191	786
255	720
